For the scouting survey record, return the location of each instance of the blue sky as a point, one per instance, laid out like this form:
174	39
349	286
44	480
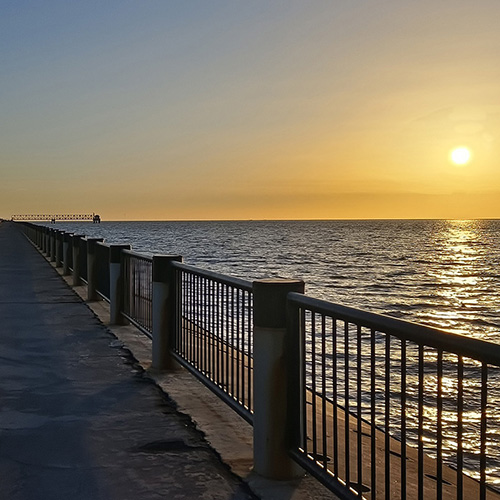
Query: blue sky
318	109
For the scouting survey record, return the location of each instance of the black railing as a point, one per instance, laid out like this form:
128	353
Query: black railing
70	253
83	259
102	274
386	404
214	334
377	407
137	282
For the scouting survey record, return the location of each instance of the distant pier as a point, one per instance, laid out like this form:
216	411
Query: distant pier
95	218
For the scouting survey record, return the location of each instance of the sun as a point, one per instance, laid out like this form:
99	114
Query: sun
460	155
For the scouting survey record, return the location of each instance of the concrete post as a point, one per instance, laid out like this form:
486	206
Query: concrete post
66	252
92	268
115	283
52	245
164	310
59	244
76	259
45	240
271	379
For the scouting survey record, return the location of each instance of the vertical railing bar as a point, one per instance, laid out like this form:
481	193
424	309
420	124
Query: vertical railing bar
373	447
210	331
238	346
244	361
439	428
226	338
323	391
250	348
347	405
359	413
186	316
482	456
199	324
387	440
313	384
206	331
138	308
232	342
213	329
180	310
192	322
403	418
218	330
132	289
304	378
335	402
460	409
203	327
150	299
420	457
192	358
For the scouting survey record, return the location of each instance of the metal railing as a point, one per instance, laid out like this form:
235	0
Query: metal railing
386	404
83	259
376	407
70	254
102	259
137	282
214	333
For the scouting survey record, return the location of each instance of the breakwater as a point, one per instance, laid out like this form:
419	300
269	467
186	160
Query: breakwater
359	389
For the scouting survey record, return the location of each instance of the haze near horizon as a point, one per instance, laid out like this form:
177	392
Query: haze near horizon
250	110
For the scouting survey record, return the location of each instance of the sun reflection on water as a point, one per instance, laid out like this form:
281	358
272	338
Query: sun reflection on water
460	275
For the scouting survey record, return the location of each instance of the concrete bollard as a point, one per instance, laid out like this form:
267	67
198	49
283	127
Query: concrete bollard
92	268
164	310
76	259
59	244
45	240
271	379
66	252
52	245
115	283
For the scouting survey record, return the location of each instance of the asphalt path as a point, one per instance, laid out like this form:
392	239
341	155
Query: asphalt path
79	418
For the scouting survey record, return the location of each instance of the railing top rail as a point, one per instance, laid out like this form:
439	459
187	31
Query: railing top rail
138	255
103	244
480	350
221	278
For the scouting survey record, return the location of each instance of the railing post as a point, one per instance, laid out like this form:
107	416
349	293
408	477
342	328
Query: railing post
115	283
164	310
66	252
76	259
52	253
59	243
46	240
92	268
271	379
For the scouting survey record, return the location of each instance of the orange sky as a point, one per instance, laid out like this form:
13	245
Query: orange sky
249	110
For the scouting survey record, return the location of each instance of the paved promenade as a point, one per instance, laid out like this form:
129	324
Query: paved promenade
78	418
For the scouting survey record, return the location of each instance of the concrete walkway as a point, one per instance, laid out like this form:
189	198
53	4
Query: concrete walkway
79	419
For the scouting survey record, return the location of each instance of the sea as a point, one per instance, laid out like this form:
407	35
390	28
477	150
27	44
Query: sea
440	273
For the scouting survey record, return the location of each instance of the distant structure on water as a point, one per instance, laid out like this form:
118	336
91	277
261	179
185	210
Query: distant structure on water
95	218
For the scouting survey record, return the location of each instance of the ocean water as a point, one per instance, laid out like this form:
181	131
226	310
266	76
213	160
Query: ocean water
441	273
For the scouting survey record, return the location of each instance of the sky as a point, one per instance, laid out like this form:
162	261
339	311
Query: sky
209	109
